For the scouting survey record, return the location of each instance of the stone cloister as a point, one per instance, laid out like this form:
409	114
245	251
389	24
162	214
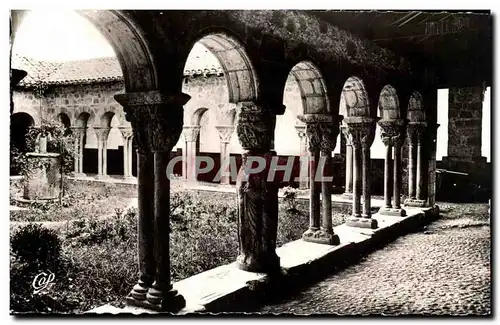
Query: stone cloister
348	85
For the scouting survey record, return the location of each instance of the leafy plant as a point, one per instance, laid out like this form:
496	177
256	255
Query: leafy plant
36	244
59	140
290	199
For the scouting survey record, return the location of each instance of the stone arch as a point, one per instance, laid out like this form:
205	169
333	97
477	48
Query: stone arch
84	119
105	119
416	112
242	81
388	103
64	119
312	87
197	115
130	46
33	113
355	97
20	123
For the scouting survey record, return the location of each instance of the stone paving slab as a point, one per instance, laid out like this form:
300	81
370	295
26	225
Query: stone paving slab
223	286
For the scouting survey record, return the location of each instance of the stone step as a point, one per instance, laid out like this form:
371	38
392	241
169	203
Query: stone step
226	286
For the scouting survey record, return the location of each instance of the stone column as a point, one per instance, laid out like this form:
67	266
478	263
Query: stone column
157	123
191	133
348	164
431	137
361	131
102	148
127	151
416	181
398	175
225	134
79	134
322	131
392	133
304	158
257	195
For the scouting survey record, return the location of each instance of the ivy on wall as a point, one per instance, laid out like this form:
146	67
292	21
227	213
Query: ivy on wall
59	140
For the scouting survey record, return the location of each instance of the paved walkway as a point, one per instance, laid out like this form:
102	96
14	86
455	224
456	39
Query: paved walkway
442	270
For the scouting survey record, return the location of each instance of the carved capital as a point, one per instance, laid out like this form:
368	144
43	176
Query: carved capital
78	131
225	132
301	130
345	132
322	131
361	131
191	132
156	118
392	131
165	126
416	132
126	132
255	127
102	132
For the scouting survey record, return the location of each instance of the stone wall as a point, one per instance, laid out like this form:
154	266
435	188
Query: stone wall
465	121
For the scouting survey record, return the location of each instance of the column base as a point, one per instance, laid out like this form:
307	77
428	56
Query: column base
102	177
303	186
154	299
270	264
415	203
347	195
321	237
360	222
392	212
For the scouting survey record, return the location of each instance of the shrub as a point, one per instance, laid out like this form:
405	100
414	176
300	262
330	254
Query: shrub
117	229
36	244
290	199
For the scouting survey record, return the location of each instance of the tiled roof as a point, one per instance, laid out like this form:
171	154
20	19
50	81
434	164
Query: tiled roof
96	70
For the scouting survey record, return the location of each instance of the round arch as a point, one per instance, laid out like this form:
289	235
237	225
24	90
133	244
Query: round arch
388	103
130	46
355	97
241	78
312	87
84	119
64	119
19	126
416	112
197	115
106	118
33	113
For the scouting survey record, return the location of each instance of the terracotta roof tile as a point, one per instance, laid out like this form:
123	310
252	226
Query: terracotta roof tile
107	69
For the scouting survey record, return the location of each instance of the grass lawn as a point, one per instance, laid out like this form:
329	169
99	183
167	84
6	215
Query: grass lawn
81	200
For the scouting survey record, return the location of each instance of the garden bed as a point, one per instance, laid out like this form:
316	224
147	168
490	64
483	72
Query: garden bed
97	263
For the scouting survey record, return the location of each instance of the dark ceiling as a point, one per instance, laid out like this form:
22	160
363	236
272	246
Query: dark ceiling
458	44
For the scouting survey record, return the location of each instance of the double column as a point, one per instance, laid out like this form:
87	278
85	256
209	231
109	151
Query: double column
127	134
392	136
157	124
102	133
304	157
416	171
191	133
225	134
79	136
361	131
348	163
257	192
322	131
